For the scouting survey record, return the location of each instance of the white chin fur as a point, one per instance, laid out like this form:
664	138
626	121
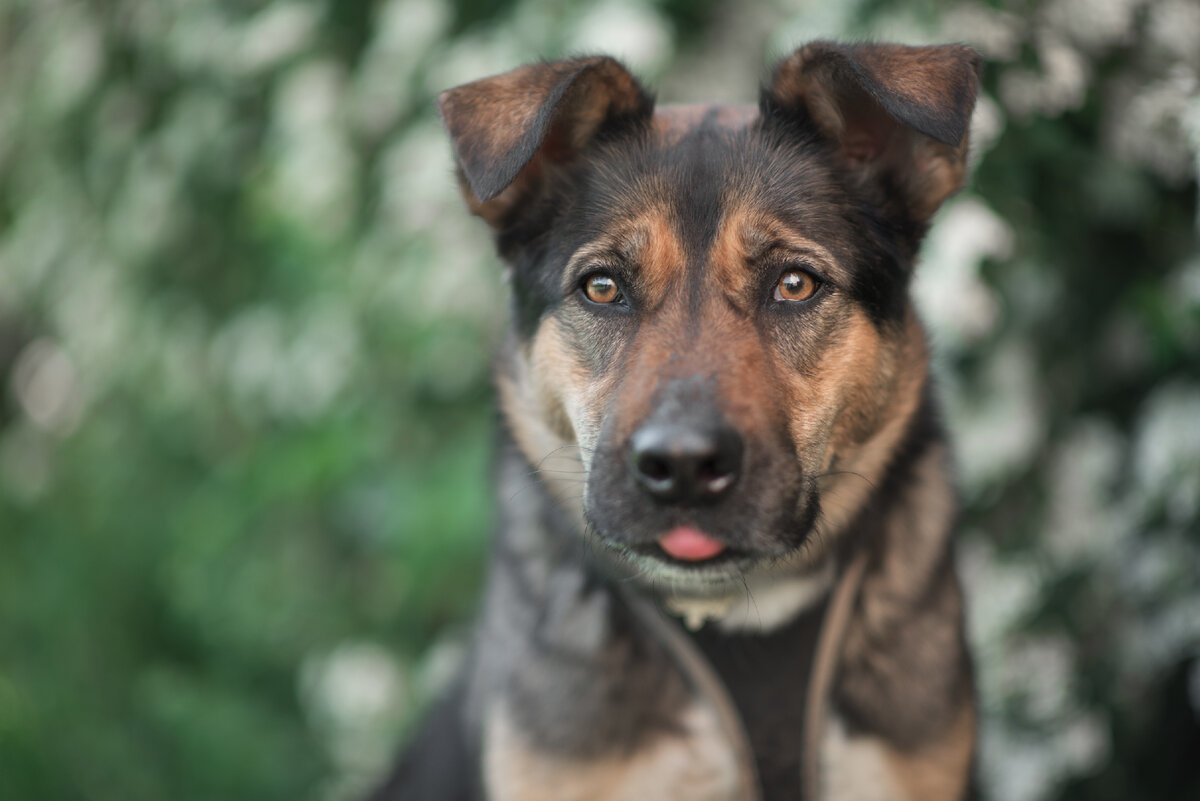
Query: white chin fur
735	603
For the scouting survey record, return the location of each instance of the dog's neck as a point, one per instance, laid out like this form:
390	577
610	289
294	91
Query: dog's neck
765	602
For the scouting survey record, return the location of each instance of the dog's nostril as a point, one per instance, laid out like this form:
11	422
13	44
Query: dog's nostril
715	474
653	467
683	464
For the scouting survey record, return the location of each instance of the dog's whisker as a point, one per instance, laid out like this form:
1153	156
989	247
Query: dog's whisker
750	600
837	473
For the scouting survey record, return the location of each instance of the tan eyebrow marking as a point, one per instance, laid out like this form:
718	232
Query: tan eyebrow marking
748	235
647	241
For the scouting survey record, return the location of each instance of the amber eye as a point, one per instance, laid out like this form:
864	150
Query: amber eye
796	285
601	288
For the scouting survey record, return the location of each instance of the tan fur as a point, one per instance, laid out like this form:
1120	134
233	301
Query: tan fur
817	76
911	595
645	238
882	401
511	104
733	248
942	171
862	380
938	770
553	369
542	445
857	768
494	211
661	257
869	769
747	235
694	765
508	101
915	542
672	123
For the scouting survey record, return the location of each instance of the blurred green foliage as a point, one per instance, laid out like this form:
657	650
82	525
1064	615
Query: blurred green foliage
244	340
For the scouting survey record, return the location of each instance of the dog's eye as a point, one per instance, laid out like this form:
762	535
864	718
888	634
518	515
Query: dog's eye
796	285
601	288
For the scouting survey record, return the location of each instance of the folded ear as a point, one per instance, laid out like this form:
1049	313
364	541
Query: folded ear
510	131
898	115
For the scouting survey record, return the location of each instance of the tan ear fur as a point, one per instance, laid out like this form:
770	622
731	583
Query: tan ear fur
510	130
892	110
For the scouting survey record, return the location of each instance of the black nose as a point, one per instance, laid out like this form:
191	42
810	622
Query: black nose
685	464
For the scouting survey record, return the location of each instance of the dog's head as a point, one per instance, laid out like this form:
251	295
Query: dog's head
711	302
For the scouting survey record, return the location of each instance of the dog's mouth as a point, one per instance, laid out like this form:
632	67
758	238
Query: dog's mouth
688	544
717	544
690	549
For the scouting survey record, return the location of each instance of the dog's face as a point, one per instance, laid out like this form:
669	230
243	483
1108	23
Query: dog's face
711	303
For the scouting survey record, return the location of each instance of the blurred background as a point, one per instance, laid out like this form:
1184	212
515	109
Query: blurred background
245	414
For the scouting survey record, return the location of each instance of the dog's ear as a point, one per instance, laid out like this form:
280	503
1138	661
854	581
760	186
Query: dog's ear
510	131
897	115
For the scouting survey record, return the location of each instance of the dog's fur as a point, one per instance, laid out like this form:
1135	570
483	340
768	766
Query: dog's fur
821	434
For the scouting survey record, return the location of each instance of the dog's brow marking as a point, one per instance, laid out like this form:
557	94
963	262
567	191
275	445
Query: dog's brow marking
747	236
591	252
621	242
625	241
728	257
646	243
662	258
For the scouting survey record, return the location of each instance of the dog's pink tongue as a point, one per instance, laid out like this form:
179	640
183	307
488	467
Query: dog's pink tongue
689	544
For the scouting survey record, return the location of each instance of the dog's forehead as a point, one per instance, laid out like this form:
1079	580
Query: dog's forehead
701	159
672	123
705	169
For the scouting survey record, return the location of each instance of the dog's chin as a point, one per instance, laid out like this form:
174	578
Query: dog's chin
652	568
663	573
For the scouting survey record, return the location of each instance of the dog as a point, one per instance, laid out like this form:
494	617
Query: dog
724	563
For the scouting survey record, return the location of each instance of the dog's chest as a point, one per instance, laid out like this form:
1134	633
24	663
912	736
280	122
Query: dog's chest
767	676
